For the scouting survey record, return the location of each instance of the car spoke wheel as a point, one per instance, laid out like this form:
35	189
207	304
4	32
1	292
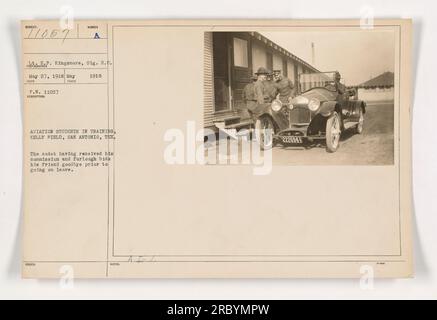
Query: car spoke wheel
360	123
264	130
333	131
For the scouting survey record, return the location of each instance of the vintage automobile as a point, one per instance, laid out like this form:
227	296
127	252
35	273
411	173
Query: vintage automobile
321	110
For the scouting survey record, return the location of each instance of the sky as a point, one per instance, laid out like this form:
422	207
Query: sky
358	55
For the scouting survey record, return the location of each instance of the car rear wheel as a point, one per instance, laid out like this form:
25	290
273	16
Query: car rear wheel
333	131
264	130
359	128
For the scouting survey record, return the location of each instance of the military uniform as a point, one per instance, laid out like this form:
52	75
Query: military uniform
259	96
285	89
341	88
255	94
249	96
271	90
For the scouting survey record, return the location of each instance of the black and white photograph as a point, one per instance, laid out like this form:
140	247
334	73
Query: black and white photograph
218	159
312	97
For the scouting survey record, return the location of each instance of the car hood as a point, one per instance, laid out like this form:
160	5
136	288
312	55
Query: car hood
320	94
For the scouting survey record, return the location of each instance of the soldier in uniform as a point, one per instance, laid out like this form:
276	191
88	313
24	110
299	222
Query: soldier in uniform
256	95
339	86
260	87
285	87
272	92
249	94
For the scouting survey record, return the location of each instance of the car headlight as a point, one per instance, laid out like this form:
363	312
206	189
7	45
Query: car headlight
276	105
313	104
290	106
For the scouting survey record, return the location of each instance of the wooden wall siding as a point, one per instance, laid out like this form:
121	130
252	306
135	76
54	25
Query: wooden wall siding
270	61
290	70
277	62
208	82
259	57
299	71
296	74
284	67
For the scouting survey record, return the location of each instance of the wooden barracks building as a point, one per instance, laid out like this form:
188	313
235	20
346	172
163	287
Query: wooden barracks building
230	59
380	88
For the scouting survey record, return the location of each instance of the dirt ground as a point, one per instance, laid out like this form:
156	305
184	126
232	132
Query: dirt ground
375	146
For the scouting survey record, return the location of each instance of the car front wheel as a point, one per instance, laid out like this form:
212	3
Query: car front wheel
264	130
333	131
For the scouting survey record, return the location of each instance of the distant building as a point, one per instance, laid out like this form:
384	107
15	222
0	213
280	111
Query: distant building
230	59
379	88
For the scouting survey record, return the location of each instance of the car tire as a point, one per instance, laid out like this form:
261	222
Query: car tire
264	130
360	124
333	132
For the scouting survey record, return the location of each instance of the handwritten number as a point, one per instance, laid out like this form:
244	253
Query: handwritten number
48	34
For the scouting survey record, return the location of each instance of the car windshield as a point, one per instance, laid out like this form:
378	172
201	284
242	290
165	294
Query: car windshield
308	81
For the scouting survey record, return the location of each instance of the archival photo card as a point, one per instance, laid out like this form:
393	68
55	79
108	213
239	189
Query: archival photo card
217	148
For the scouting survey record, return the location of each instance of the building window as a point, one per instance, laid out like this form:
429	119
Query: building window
259	57
240	53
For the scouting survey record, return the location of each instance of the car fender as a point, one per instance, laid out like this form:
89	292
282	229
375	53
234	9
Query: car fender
279	119
355	106
327	108
363	105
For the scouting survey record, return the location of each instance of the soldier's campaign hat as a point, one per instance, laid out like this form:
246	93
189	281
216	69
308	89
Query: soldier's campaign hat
277	71
262	70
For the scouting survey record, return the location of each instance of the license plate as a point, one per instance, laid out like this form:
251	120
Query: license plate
291	139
